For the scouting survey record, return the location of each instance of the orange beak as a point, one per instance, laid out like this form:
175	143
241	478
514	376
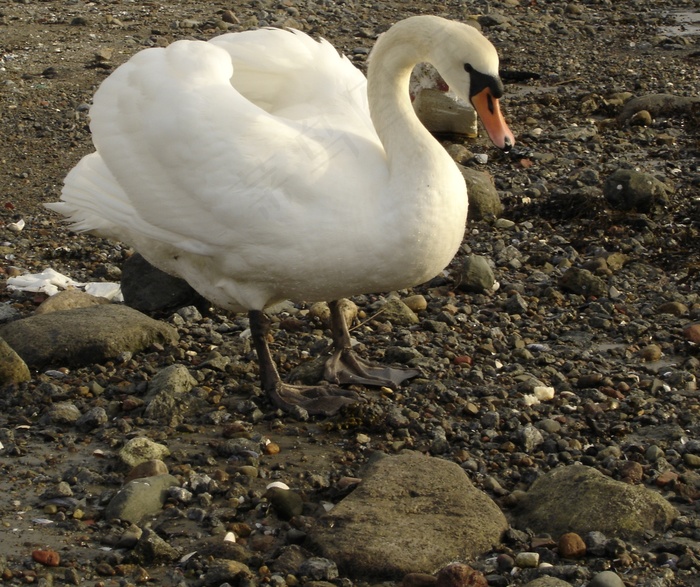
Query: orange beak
489	111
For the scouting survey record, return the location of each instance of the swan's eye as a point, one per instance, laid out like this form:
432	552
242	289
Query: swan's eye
480	81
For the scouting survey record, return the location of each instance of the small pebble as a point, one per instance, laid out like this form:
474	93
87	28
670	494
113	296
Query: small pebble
606	579
641	118
417	303
651	352
527	560
271	448
460	575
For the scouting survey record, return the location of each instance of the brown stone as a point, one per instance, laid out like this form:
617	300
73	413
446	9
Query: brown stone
272	448
666	478
48	558
692	333
147	469
571	545
651	352
631	472
460	575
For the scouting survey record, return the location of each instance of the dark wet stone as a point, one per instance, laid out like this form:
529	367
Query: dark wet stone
631	190
150	290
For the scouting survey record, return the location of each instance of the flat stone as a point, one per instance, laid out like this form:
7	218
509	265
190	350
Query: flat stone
223	571
410	514
441	113
84	336
581	499
673	308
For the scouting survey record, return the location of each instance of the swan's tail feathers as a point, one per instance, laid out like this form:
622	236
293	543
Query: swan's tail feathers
90	196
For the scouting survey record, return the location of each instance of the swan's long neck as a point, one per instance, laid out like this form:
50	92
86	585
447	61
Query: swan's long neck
425	203
393	58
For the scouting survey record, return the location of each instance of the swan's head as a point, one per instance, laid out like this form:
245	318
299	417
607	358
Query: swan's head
468	62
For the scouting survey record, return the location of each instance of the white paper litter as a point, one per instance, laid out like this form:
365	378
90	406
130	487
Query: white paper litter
51	282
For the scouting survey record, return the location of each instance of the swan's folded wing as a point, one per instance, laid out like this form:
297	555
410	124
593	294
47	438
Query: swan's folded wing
286	72
199	161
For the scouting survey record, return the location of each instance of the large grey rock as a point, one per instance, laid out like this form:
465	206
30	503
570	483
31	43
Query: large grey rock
484	201
659	104
411	513
139	498
581	499
440	113
84	335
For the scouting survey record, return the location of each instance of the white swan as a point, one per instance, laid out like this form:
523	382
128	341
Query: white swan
261	166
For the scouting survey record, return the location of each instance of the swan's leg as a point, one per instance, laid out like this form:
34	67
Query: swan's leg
345	367
323	400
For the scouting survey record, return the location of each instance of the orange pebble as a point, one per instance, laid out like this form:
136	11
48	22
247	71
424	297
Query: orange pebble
272	448
49	558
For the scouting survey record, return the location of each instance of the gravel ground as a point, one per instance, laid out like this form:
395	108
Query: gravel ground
623	363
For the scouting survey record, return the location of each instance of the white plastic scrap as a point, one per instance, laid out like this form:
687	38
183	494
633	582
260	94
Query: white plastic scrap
51	282
544	393
277	485
16	226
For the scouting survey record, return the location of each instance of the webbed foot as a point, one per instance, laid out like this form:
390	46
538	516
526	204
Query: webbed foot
315	400
346	368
